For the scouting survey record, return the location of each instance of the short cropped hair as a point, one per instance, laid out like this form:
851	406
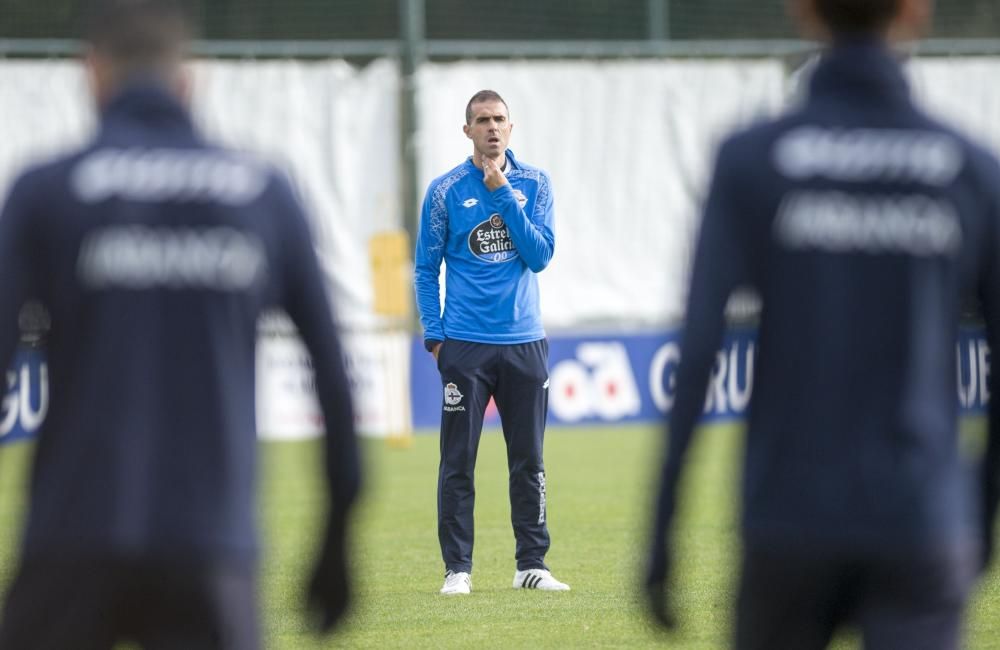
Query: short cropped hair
138	35
857	16
483	96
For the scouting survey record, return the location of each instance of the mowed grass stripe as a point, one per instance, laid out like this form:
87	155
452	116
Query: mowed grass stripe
599	494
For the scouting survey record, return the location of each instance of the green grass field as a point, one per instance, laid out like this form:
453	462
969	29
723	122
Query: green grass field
598	500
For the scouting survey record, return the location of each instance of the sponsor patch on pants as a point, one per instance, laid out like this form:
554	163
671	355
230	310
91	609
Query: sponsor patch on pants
452	398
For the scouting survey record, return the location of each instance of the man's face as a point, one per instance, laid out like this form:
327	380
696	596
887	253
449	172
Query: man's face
489	129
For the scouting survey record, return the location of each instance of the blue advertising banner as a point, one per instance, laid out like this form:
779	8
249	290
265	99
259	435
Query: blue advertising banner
592	380
26	395
973	370
630	378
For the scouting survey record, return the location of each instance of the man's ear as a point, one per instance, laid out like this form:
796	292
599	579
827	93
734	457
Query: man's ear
467	130
102	76
184	84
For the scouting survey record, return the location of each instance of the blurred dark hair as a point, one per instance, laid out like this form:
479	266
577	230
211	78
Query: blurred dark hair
857	16
483	96
138	35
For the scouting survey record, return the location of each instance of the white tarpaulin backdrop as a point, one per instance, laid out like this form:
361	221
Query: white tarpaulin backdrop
628	144
965	92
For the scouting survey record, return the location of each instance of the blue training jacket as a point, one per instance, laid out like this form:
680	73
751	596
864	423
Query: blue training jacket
862	222
155	253
493	244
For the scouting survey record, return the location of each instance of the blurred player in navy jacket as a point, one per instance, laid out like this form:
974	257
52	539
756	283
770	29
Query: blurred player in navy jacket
155	253
861	221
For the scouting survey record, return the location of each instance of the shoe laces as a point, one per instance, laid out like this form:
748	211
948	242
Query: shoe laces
452	578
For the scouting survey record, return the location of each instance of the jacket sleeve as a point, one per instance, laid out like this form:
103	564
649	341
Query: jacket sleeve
17	249
989	294
533	236
305	299
432	236
719	267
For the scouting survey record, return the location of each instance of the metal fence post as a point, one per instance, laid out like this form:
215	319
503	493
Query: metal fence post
412	53
658	20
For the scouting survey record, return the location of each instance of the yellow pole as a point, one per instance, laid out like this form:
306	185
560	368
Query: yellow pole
389	252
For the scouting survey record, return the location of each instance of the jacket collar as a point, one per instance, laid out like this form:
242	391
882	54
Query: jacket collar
860	69
511	162
148	102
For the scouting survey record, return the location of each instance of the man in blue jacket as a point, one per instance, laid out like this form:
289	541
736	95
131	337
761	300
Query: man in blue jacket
155	252
490	221
862	222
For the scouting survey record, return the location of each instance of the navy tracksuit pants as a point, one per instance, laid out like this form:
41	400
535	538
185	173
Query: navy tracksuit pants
795	597
93	602
516	376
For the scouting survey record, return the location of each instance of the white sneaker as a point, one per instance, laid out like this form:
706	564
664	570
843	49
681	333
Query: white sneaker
538	579
457	583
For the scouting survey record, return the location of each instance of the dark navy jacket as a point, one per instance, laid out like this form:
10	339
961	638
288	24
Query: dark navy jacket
861	221
155	253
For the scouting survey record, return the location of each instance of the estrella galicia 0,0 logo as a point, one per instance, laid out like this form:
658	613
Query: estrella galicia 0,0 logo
490	241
